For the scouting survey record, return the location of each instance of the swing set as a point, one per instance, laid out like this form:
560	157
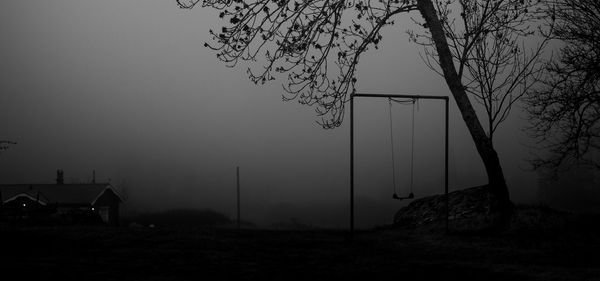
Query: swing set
401	99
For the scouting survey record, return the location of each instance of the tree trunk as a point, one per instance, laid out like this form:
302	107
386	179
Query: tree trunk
500	200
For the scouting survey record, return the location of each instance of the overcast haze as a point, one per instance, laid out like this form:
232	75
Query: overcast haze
126	88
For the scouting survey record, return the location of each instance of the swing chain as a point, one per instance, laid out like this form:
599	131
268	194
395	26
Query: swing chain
413	101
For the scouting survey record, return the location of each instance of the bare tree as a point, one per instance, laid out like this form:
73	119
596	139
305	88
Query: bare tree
303	38
495	46
565	111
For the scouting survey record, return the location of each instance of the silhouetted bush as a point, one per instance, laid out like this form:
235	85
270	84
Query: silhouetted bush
183	217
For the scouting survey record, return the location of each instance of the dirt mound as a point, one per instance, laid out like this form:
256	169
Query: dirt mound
469	211
469	208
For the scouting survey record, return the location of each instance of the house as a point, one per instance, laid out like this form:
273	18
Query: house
78	201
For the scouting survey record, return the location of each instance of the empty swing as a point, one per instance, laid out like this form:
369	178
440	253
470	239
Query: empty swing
412	151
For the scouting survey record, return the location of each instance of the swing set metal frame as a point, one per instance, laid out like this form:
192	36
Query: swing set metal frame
391	96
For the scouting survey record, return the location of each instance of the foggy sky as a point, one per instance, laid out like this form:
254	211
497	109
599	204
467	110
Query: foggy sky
125	88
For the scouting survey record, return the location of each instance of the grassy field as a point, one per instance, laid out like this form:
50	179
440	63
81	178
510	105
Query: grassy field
571	252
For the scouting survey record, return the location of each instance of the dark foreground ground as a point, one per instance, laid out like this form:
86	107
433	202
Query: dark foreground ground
571	252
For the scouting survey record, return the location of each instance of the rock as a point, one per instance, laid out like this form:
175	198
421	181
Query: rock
469	209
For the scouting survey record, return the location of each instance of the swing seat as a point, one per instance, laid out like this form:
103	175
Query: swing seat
410	196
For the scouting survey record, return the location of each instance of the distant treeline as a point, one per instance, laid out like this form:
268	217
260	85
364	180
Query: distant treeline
182	217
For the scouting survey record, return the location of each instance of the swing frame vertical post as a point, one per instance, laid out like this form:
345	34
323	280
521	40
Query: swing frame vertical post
239	220
446	141
352	164
446	172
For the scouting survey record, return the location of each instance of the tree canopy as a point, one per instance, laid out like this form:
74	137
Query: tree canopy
565	110
303	39
318	44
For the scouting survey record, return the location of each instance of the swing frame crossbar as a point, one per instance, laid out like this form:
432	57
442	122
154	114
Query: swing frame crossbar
391	96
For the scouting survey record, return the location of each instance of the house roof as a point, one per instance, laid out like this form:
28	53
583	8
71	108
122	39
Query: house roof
22	195
58	193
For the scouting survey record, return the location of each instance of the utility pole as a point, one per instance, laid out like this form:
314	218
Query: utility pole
238	197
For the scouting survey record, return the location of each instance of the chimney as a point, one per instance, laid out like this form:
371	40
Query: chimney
60	179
